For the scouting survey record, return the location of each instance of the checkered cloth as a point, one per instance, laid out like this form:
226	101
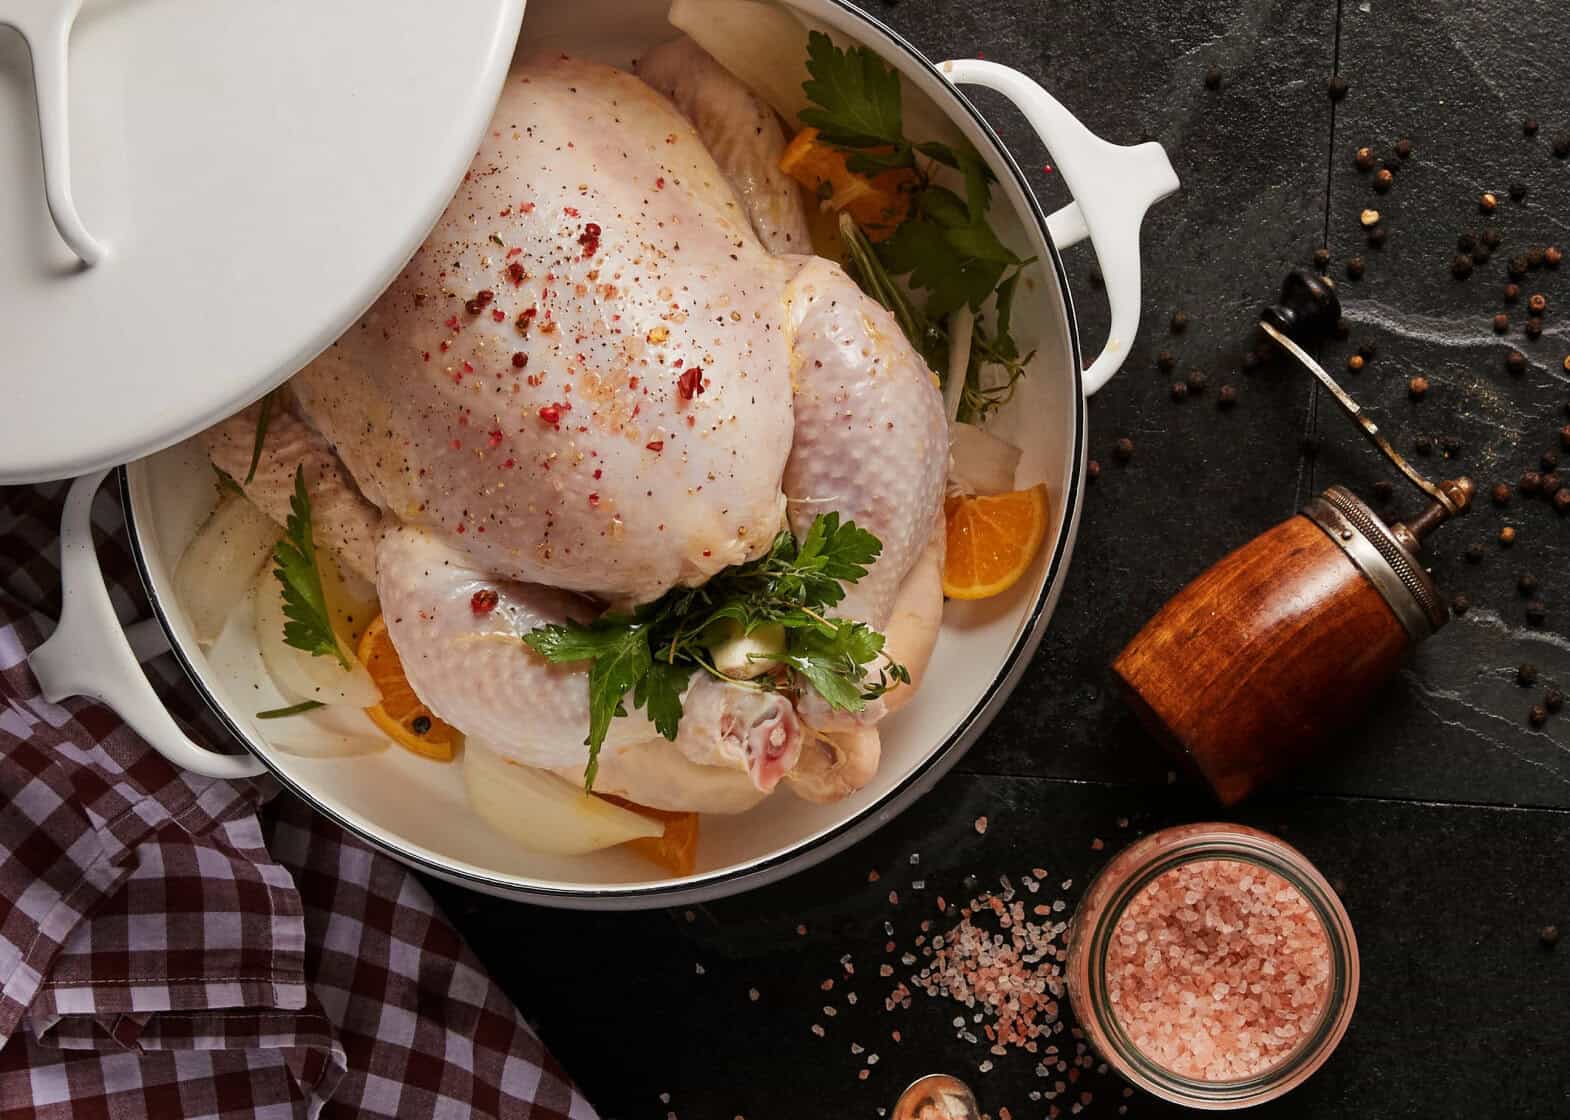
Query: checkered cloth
170	948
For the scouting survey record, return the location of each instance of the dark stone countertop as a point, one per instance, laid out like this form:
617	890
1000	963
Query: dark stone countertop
1443	824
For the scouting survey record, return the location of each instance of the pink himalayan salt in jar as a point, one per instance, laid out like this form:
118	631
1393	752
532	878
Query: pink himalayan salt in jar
1212	966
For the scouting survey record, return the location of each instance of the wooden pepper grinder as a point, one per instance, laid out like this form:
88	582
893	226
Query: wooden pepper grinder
1251	666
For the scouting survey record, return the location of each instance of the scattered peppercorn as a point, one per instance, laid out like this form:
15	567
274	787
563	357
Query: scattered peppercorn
1179	391
1424	445
1517	190
1355	363
1488	203
1417	388
1562	145
1553	256
1382	179
1450	445
1404	148
1383	489
1536	612
1365	159
1466	242
1549	936
1227	397
1093	470
1548	460
1165	361
1515	362
1501	493
1537	716
1461	266
1492	237
1526	583
1531	483
1526	674
1501	323
1553	699
1460	602
1518	266
1533	328
1562	500
1197	381
1551	483
1337	87
1213	78
1123	449
1483	255
1529	126
1507	536
1566	364
420	725
1512	292
1377	236
1179	322
1321	258
1475	553
1537	303
1534	258
1354	268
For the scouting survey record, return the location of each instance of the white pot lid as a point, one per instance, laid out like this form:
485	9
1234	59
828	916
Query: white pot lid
247	178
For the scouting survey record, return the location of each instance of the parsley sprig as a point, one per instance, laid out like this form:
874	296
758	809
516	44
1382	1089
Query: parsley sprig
654	651
309	626
945	246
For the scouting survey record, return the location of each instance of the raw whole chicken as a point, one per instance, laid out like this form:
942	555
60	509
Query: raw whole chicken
606	374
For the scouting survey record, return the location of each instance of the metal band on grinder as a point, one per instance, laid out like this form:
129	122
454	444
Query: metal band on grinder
1398	578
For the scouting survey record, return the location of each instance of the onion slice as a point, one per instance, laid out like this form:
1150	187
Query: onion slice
303	675
980	462
545	813
217	567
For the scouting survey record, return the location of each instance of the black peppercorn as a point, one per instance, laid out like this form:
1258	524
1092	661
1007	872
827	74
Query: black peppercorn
1461	266
1383	489
1501	323
1529	127
1548	460
1378	236
420	725
1507	536
1227	397
1354	268
1424	445
1518	266
1213	78
1092	470
1487	203
1365	159
1337	87
1564	437
1526	584
1562	500
1562	145
1549	936
1492	237
1501	493
1356	362
1450	445
1515	362
1321	258
1475	553
1179	391
1466	243
1197	381
1533	328
1551	483
1553	256
1537	716
1165	361
1404	148
1553	699
1531	483
1536	612
1417	388
1517	190
1535	258
1483	255
1179	322
1460	602
1123	449
1526	674
1382	179
1512	292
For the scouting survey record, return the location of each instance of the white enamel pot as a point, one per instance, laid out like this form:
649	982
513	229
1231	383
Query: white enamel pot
417	810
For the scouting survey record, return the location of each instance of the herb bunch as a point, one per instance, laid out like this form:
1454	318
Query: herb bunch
945	247
654	651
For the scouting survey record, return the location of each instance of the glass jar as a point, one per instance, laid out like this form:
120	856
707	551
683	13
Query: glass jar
1123	879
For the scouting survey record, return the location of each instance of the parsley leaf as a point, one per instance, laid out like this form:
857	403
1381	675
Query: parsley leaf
858	97
309	626
654	652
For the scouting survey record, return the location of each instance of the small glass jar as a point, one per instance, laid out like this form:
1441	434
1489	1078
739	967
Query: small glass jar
1123	879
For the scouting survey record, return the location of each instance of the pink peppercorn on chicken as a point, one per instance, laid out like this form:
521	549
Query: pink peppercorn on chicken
596	382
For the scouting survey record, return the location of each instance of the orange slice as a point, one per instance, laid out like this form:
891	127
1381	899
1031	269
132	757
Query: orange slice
677	850
877	203
992	540
400	713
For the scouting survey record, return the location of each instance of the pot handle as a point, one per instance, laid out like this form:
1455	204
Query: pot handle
1112	185
90	655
